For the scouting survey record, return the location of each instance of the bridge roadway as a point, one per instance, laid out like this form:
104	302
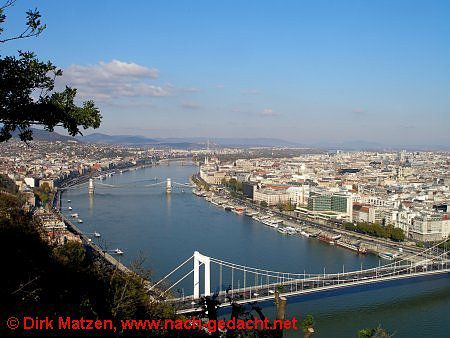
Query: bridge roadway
315	284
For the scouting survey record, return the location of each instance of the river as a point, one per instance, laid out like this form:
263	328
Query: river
164	230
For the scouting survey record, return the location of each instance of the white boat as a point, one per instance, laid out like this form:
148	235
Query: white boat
251	213
387	256
68	201
266	222
270	223
117	251
282	231
304	233
70	208
75	215
80	221
96	234
290	230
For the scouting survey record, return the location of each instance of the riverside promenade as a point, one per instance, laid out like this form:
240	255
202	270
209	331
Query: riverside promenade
96	250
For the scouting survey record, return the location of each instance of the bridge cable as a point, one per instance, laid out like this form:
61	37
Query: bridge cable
170	273
263	271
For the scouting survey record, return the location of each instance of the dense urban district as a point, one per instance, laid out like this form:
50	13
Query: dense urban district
369	191
389	203
402	195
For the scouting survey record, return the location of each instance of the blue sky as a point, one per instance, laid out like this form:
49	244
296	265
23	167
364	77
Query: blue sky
306	71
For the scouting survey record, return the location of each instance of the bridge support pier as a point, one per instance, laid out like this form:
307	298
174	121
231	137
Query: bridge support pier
199	258
91	187
168	185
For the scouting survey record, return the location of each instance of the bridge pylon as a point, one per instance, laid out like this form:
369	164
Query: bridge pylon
199	258
91	187
168	185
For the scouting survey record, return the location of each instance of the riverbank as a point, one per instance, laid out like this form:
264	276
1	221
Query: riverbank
290	224
87	242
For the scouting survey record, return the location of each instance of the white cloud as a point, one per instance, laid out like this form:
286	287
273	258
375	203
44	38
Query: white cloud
267	112
113	80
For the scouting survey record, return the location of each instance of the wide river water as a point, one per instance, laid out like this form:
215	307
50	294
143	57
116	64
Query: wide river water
165	230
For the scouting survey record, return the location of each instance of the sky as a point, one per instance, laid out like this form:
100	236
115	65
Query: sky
304	71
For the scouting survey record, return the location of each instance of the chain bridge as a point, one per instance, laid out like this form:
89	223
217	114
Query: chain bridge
93	184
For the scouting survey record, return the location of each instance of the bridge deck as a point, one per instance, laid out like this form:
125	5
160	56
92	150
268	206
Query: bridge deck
312	285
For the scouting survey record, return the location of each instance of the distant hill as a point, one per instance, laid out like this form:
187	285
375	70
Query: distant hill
43	135
237	142
116	139
375	146
352	145
201	142
185	142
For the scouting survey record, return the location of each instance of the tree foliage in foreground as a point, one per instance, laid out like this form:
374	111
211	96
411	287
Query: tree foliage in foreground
27	91
378	332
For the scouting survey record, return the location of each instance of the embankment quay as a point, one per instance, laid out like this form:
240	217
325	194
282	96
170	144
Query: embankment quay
87	242
94	249
372	244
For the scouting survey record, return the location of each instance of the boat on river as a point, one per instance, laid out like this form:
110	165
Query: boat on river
290	230
238	210
251	213
326	239
304	233
389	256
117	251
356	248
270	223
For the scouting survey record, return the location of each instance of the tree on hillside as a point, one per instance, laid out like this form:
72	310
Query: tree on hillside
378	332
27	95
43	193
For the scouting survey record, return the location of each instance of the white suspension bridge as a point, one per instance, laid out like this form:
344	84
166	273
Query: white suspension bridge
242	284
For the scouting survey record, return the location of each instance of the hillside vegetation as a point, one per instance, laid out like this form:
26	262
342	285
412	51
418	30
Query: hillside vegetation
40	279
